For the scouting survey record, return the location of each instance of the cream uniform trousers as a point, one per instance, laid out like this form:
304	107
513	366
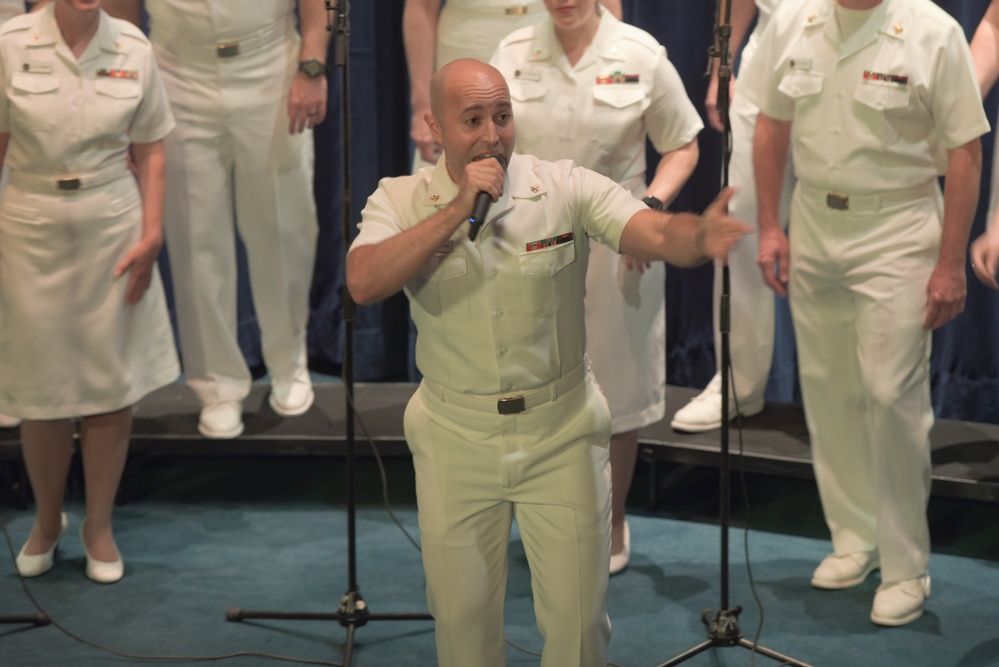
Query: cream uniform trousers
546	467
231	158
858	298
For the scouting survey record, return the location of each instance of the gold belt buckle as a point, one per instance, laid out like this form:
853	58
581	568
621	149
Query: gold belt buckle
227	49
68	184
511	406
516	11
838	201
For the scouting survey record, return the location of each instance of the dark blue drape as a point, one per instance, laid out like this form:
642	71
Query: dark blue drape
964	365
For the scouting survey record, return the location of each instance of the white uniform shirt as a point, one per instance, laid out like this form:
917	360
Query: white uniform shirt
505	313
588	113
875	112
206	21
69	117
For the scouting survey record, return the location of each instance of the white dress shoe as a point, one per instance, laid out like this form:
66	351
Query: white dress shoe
221	421
900	602
7	421
38	564
836	572
620	561
703	413
291	399
100	571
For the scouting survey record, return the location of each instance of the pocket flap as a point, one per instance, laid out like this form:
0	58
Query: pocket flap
549	261
524	91
33	83
882	95
618	97
801	84
117	88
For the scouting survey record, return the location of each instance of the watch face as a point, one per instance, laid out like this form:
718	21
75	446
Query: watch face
311	68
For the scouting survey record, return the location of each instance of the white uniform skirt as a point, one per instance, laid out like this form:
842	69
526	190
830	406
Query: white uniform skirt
626	337
69	344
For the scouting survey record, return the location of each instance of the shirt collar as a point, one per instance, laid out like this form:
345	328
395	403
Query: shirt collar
879	23
521	183
46	33
545	45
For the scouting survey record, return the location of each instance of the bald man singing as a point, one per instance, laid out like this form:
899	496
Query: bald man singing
507	422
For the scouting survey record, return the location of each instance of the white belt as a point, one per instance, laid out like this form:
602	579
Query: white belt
23	180
511	404
842	201
228	48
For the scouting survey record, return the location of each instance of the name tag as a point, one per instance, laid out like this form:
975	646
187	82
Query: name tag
801	64
527	75
37	68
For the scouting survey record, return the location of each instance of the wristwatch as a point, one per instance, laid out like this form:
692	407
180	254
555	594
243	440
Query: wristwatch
654	203
312	68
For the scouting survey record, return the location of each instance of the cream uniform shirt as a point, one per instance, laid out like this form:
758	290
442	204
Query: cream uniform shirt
100	104
504	313
583	112
877	122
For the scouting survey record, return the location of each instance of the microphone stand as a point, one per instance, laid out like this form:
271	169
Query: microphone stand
723	625
352	612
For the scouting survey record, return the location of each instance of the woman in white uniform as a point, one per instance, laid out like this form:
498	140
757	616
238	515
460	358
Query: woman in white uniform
8	9
84	330
590	88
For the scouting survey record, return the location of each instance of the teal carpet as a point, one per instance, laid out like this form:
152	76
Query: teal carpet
201	536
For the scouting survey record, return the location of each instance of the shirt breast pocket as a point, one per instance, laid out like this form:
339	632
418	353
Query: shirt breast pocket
34	101
883	108
804	87
531	100
117	100
442	287
548	278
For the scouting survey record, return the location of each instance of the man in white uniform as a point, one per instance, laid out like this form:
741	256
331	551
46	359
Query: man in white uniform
881	98
751	304
246	89
507	422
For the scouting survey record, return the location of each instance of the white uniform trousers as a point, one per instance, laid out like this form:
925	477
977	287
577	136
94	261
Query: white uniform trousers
475	472
858	299
231	157
751	302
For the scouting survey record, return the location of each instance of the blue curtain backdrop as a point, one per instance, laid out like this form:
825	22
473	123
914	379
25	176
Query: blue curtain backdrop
965	364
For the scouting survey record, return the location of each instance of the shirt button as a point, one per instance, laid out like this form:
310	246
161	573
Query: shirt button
509	387
503	350
492	274
499	313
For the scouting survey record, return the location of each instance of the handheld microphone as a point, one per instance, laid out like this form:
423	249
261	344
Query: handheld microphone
483	201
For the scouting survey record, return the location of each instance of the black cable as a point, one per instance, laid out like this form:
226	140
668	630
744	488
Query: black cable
138	656
740	461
